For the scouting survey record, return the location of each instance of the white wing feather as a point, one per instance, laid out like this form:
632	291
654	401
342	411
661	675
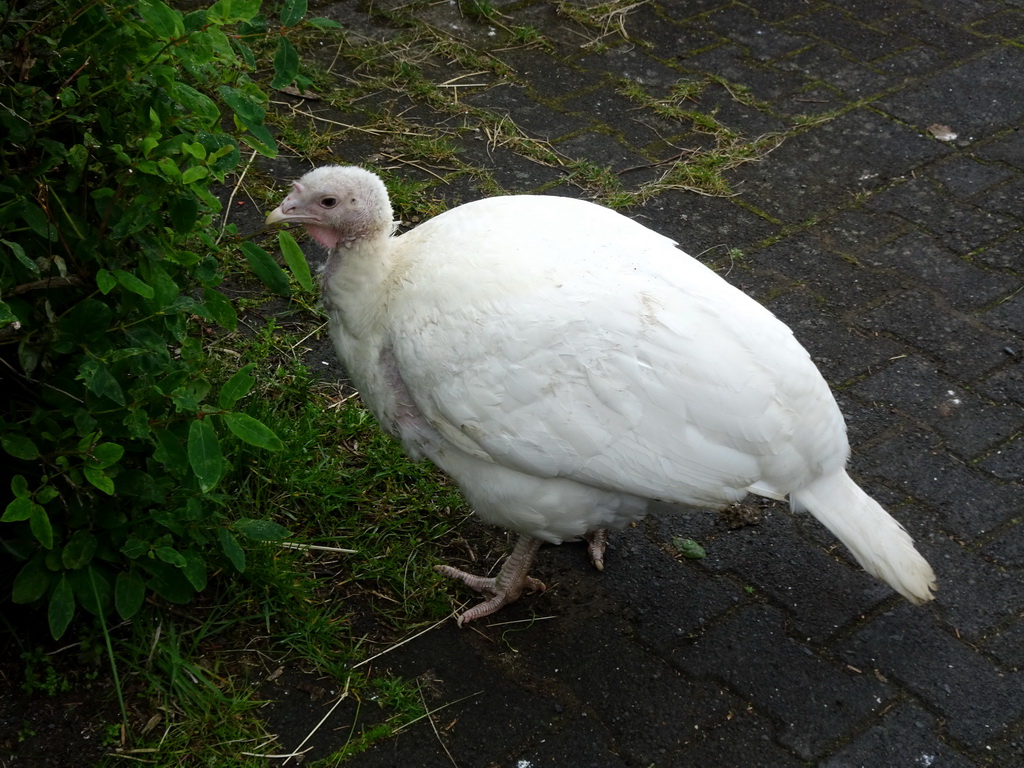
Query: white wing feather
620	362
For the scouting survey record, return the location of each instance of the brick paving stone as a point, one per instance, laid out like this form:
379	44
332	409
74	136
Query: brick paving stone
1008	200
962	348
1006	317
821	593
830	66
1006	462
862	41
744	739
964	504
927	262
812	701
583	742
947	37
741	26
526	113
821	170
635	65
666	599
911	647
842	352
904	736
1007	147
1007	254
586	660
1007	383
969	423
987	95
966	177
911	63
967	575
1008	645
1007	549
959	227
705	227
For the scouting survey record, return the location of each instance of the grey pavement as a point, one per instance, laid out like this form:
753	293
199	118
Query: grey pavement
887	228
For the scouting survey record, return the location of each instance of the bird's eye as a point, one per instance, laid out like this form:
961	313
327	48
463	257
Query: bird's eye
329	202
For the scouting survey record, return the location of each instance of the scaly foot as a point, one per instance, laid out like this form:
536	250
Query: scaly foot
597	542
506	587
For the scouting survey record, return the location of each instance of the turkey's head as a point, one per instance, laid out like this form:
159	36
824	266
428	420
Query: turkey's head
338	205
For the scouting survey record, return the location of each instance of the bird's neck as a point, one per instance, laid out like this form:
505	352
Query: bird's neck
354	283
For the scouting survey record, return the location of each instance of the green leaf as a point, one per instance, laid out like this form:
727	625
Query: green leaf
232	549
100	380
170	451
220	308
230	11
19	486
204	454
134	548
161	20
79	550
286	64
169	168
184	212
195	570
105	281
325	23
266	269
46	494
105	454
132	283
261	530
194	148
22	257
195	103
34	216
18	510
236	387
20	447
170	583
295	259
129	593
244	106
253	431
261	139
39	522
292	12
99	479
171	556
165	291
61	609
92	588
88	321
195	173
31	582
7	315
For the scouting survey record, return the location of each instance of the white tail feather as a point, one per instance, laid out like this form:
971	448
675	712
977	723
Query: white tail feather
880	544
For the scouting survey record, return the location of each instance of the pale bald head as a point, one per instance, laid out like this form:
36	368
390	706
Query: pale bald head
338	205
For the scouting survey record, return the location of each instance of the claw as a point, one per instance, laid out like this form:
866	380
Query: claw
506	587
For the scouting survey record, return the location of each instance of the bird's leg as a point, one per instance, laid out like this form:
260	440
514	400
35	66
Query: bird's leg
507	586
597	542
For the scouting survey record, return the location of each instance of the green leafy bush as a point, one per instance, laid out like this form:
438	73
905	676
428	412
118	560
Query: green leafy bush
119	118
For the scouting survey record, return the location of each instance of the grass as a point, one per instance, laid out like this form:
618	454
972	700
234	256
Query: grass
604	20
342	485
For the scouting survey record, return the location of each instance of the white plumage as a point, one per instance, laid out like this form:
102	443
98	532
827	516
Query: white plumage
565	365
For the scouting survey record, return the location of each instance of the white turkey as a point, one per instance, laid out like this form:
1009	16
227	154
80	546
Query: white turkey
566	366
